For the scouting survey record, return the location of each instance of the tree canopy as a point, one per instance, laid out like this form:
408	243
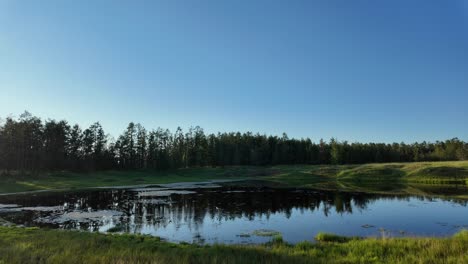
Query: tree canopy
31	144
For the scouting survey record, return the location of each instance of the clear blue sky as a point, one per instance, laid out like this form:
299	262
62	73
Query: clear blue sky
356	70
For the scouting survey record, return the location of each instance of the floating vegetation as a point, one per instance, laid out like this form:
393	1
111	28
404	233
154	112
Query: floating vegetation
77	216
148	189
9	208
153	201
3	206
163	193
43	208
192	185
244	235
367	226
265	233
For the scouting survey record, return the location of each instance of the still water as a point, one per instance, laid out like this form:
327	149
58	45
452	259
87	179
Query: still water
210	213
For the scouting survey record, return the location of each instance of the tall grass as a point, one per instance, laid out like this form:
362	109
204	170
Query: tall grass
32	245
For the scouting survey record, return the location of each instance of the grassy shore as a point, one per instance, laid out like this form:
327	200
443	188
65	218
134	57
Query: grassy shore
32	245
414	178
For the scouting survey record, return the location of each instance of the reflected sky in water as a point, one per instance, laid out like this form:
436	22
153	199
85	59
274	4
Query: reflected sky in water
232	215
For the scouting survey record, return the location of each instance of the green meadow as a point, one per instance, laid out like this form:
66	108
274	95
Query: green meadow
422	178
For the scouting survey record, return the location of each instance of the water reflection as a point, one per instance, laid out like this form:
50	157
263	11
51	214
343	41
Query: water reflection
230	215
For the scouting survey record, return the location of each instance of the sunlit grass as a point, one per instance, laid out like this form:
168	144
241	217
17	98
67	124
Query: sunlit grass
22	245
375	178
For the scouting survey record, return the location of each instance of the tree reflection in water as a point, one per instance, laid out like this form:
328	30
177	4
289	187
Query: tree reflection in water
140	210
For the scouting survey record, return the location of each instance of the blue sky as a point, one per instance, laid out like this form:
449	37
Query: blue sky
357	70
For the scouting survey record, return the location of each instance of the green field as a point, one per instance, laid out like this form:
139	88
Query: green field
32	245
414	178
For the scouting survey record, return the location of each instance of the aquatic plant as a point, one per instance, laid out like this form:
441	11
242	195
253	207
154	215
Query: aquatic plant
266	233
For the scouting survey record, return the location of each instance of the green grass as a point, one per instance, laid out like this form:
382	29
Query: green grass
32	245
448	179
413	178
327	237
71	180
381	172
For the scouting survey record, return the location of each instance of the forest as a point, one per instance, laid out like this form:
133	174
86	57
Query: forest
28	143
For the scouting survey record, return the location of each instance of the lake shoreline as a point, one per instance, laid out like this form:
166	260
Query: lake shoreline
419	178
214	213
26	245
22	244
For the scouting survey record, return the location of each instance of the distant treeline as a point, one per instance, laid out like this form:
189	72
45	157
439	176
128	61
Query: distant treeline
30	144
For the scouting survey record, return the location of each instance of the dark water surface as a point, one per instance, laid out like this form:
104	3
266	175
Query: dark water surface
211	213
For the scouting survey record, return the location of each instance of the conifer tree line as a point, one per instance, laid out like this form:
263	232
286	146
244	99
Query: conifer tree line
28	143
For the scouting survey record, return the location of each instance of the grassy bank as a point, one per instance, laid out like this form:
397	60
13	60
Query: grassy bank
386	177
30	245
73	180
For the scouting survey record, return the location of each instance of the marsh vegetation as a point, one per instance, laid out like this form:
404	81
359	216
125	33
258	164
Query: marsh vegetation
32	245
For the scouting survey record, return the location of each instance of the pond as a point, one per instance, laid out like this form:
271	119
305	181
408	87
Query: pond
211	213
